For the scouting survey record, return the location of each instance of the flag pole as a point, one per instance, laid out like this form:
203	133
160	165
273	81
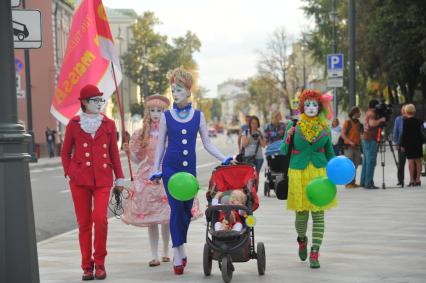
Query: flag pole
123	129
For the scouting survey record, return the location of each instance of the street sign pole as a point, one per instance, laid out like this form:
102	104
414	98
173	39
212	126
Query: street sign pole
29	101
18	249
334	49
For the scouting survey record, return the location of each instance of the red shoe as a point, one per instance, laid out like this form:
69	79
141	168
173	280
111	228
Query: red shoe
178	269
100	273
87	274
184	261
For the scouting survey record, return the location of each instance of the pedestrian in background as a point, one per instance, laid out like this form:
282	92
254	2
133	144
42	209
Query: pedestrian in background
276	129
351	135
50	140
243	130
89	157
397	133
253	141
369	145
411	144
336	131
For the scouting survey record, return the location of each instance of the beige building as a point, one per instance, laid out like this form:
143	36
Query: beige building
230	92
121	22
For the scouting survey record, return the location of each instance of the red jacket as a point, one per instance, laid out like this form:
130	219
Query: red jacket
90	161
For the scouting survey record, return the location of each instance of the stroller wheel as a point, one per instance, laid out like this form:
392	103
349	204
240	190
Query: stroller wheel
227	269
261	258
207	260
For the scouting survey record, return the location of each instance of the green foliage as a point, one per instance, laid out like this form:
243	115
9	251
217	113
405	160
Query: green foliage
264	92
151	50
136	108
390	44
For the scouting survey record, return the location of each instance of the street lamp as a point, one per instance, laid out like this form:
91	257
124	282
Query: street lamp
304	64
351	25
333	19
145	73
18	248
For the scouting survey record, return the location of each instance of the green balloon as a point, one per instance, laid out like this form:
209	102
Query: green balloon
321	191
183	186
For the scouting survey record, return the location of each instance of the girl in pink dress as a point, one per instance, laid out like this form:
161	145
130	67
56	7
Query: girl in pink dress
147	204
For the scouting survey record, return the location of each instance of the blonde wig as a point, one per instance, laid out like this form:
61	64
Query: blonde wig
155	100
181	77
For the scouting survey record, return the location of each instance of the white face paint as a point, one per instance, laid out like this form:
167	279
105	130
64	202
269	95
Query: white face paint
180	94
311	108
95	105
155	113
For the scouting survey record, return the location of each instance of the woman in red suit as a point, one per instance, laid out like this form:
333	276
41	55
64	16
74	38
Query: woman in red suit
89	157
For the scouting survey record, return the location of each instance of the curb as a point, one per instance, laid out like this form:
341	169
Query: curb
56	163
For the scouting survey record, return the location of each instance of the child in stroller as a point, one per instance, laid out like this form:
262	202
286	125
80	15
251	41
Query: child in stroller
237	197
231	245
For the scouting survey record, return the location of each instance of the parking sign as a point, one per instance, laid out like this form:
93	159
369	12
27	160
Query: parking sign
335	65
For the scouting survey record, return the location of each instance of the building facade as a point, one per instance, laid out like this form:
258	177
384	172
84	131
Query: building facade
121	22
230	93
46	62
44	69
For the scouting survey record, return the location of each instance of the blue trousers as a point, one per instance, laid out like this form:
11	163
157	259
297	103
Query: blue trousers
259	163
368	162
180	217
50	147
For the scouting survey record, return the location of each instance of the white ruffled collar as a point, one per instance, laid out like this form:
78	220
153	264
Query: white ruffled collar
90	123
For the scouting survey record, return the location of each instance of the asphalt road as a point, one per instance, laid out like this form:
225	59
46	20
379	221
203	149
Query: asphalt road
53	207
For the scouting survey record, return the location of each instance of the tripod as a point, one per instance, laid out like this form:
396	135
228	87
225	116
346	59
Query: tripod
382	138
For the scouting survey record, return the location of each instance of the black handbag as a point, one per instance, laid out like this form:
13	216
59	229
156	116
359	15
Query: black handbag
247	159
281	190
250	159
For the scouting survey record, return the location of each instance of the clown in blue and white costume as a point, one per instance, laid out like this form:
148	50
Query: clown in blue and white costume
179	127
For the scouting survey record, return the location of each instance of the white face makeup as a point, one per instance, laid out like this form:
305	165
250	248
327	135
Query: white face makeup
155	113
180	94
95	105
311	108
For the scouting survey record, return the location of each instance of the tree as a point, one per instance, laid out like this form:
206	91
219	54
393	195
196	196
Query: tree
273	61
216	108
390	44
150	56
264	92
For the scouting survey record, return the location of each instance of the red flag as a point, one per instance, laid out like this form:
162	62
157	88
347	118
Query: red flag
87	60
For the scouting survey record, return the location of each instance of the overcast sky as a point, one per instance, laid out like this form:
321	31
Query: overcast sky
230	30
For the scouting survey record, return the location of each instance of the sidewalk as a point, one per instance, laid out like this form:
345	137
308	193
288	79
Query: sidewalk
372	236
46	162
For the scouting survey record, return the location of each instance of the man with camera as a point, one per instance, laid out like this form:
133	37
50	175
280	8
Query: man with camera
369	144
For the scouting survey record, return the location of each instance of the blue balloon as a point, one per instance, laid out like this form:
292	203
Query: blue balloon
340	170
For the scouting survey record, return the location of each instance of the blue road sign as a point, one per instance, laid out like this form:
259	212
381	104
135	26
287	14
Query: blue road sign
335	61
18	65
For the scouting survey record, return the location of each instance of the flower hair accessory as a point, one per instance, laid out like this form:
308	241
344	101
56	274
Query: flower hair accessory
326	100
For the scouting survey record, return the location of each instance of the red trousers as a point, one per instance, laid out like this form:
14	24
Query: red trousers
91	207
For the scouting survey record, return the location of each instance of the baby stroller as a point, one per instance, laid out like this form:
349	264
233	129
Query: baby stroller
275	170
231	246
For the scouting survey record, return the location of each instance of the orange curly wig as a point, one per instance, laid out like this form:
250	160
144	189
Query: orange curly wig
309	94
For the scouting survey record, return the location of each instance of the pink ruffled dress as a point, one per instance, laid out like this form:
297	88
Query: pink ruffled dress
147	201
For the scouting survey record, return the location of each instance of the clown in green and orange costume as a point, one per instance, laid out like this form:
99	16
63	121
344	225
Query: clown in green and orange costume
311	152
